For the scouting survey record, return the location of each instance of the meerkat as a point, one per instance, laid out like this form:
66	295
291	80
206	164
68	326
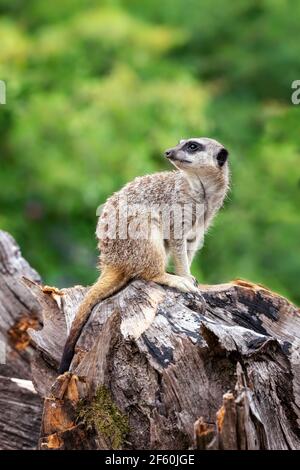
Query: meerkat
200	181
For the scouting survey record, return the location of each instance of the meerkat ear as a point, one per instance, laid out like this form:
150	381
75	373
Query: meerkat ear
222	156
181	141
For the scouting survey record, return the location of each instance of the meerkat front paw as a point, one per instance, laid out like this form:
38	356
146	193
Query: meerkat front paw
192	279
188	284
181	283
184	284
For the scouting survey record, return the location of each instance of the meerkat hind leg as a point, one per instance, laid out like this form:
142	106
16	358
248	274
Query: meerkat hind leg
181	283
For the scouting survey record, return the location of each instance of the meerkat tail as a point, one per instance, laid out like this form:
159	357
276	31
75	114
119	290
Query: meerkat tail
110	281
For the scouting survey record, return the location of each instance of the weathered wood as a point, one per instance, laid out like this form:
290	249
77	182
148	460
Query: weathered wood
238	425
204	434
158	369
20	405
19	310
20	416
168	358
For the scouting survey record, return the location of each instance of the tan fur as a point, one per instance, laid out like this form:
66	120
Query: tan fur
199	179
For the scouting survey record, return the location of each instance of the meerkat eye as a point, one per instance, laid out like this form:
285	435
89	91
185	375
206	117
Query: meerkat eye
193	146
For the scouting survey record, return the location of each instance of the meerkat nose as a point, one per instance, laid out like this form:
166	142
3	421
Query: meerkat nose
169	153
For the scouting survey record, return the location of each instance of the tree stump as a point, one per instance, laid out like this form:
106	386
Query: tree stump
158	369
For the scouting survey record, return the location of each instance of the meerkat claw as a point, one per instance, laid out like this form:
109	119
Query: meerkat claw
178	282
193	280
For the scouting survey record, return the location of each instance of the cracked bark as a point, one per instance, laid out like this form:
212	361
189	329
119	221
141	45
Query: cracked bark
20	405
214	370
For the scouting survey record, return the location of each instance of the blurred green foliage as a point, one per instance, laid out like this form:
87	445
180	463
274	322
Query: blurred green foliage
97	90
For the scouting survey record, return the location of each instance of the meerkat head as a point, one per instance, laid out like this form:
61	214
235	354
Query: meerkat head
198	155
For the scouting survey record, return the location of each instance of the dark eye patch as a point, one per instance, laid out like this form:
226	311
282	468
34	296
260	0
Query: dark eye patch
192	147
